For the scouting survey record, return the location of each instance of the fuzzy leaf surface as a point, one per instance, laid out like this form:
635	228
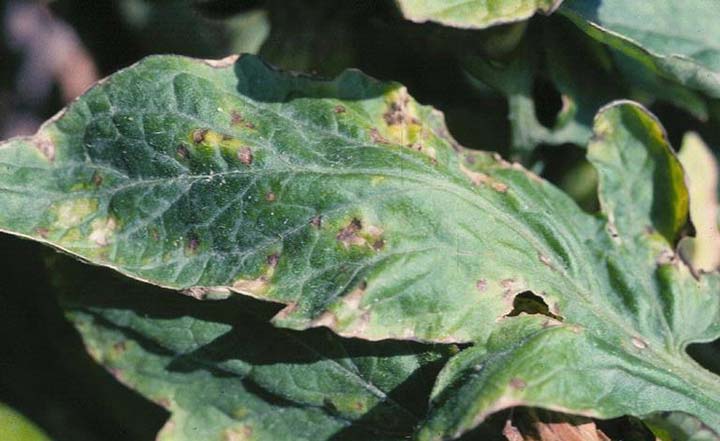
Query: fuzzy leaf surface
592	369
228	375
474	14
345	200
349	203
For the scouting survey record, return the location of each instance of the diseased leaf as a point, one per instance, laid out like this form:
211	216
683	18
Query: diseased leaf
678	40
590	368
224	373
330	197
474	14
348	202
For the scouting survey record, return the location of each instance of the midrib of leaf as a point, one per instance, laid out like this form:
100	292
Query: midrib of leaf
457	188
700	377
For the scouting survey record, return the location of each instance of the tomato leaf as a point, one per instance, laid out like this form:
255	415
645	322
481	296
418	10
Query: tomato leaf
474	14
587	366
223	372
678	42
349	203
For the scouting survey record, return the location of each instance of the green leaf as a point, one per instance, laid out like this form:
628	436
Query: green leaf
224	373
678	41
349	203
474	14
15	427
639	286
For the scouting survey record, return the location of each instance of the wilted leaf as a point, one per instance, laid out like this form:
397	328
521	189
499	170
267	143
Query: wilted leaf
678	40
348	202
474	14
224	373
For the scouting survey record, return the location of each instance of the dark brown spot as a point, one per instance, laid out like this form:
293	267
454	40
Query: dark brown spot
42	232
481	285
518	383
377	137
193	243
270	196
97	179
249	125
245	155
198	135
348	234
612	230
182	151
272	260
119	346
363	285
470	159
339	109
395	114
46	146
316	221
236	118
378	244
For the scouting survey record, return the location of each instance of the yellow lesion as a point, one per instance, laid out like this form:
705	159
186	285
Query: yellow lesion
73	212
207	140
242	432
358	233
259	285
401	121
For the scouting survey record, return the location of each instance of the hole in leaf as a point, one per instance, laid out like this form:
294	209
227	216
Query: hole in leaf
547	102
530	303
